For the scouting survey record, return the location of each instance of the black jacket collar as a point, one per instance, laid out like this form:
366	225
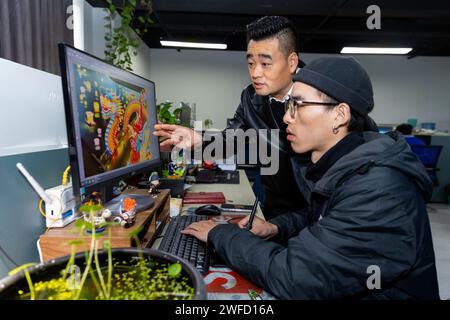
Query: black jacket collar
315	171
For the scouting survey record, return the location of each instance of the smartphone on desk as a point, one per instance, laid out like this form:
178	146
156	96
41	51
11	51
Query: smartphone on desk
236	208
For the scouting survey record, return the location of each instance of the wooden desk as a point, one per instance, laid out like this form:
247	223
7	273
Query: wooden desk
56	242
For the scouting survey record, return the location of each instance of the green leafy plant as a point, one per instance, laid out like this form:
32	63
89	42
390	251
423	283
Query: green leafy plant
121	41
208	123
165	115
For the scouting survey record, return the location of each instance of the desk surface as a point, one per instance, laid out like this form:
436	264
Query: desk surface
224	283
241	193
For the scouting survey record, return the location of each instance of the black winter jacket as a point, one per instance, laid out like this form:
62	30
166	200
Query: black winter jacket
367	210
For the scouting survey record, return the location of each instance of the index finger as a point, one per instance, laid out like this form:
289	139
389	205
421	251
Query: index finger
168	127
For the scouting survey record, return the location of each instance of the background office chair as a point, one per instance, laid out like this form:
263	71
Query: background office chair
429	156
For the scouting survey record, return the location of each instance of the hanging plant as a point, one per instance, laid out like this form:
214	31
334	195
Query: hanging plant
121	41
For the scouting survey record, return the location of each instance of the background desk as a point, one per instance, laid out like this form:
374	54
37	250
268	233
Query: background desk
224	283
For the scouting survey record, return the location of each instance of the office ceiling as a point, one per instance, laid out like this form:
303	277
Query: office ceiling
323	26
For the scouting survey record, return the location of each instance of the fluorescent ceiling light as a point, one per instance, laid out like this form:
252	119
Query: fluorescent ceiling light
180	44
365	50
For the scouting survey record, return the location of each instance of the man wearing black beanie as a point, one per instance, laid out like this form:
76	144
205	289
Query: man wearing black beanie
366	232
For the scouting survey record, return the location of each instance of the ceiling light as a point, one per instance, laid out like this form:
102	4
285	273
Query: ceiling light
180	44
366	50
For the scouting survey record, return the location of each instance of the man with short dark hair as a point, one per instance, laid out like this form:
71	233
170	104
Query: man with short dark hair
406	130
272	61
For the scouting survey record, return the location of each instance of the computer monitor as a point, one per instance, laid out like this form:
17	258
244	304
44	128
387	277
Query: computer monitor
385	128
110	115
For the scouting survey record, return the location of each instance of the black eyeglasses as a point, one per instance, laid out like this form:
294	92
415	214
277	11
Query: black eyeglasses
292	104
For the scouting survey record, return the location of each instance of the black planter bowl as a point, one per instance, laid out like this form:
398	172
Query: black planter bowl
10	286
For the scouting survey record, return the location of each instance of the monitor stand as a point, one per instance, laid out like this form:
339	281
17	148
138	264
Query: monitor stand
143	202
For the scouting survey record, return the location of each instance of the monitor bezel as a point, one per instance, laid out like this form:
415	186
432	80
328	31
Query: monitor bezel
71	134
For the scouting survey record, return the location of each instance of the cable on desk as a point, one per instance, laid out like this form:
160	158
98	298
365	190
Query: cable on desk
40	208
65	177
8	257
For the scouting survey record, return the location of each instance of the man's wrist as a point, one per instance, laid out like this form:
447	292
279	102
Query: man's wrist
273	229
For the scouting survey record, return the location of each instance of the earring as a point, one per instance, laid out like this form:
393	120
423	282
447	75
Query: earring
335	130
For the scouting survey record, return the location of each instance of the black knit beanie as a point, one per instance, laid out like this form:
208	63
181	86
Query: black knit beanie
343	79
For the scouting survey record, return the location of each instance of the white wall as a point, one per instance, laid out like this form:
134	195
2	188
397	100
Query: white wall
78	24
415	88
33	110
211	79
410	88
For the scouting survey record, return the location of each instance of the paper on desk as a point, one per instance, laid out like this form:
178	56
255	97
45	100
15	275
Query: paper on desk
175	206
228	167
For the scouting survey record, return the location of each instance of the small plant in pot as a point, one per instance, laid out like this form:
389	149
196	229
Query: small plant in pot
109	274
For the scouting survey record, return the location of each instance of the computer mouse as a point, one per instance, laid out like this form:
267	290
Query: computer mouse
208	210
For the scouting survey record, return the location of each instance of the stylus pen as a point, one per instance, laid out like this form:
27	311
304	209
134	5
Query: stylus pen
249	224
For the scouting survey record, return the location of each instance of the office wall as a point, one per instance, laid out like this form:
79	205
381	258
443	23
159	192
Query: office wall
21	224
33	110
414	88
211	79
410	88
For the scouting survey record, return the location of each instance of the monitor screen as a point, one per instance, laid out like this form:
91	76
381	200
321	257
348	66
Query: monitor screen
110	116
384	129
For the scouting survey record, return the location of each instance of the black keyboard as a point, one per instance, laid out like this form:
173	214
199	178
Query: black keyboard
185	246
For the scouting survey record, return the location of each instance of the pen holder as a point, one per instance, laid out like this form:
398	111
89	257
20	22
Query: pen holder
175	184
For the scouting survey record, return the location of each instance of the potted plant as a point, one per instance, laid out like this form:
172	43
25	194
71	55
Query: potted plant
208	123
109	274
165	115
